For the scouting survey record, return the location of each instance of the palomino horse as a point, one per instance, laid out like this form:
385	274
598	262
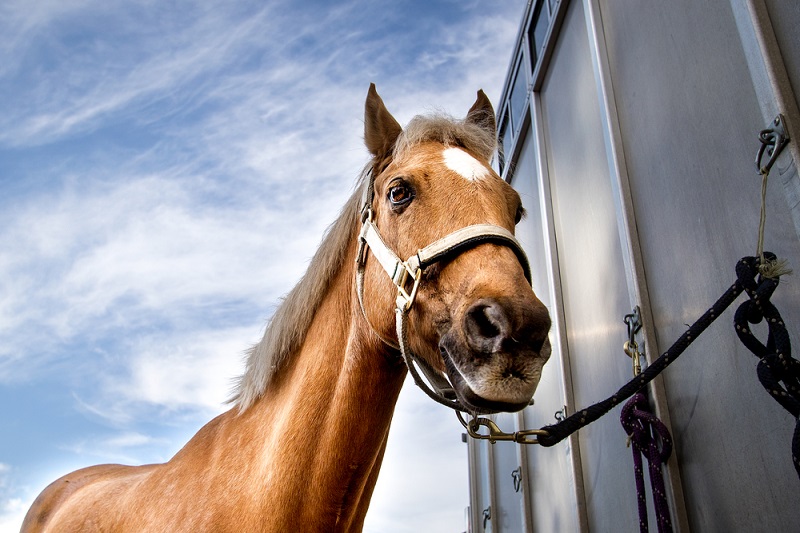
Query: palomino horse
301	449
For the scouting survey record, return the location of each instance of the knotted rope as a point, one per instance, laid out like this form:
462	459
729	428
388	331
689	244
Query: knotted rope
778	371
643	428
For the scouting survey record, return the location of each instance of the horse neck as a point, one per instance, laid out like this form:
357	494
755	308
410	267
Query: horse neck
326	419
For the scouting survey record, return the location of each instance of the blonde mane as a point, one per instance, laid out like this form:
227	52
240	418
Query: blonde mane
448	131
288	327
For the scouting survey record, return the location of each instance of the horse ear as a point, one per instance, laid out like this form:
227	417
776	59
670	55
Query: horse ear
482	114
380	128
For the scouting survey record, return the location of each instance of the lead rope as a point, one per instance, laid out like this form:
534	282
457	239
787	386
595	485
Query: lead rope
645	431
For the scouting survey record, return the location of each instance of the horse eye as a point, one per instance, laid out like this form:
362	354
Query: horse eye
519	215
400	194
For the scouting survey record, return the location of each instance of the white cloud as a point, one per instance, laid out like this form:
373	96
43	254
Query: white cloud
305	59
195	374
12	513
22	22
145	68
13	505
125	447
127	440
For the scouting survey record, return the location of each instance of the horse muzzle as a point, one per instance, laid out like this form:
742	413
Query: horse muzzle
494	353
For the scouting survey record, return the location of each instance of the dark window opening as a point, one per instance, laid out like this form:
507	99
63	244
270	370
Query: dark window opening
538	31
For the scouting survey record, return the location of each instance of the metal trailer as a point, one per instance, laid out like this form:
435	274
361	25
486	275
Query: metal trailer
630	128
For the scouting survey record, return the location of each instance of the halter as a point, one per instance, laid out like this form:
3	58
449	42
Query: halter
407	276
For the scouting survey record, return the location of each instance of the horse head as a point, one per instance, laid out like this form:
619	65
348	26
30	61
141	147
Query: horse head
475	317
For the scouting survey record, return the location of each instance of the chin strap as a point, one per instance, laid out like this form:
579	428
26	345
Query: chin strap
407	276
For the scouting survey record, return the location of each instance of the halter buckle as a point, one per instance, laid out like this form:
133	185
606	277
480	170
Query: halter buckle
366	213
403	273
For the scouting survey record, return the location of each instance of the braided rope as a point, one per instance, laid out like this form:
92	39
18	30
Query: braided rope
778	371
642	426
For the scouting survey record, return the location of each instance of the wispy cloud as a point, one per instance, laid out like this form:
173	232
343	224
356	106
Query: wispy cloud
174	63
107	257
140	68
162	376
124	448
24	22
12	506
12	513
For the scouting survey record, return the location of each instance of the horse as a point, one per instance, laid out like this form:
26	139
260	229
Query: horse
302	444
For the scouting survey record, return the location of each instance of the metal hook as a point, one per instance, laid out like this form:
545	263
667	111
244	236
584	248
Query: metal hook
487	515
634	323
773	140
631	347
516	475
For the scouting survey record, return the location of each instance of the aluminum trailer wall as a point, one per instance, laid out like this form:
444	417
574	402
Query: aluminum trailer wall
630	130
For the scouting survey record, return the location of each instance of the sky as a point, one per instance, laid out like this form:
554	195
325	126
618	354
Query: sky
167	169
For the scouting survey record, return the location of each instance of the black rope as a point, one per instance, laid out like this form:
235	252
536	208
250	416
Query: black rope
778	372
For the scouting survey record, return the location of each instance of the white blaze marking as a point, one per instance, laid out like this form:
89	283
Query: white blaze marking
464	164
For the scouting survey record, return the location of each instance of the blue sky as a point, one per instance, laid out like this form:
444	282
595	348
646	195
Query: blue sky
167	168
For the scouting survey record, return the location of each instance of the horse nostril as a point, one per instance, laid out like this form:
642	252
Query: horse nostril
486	326
484	323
